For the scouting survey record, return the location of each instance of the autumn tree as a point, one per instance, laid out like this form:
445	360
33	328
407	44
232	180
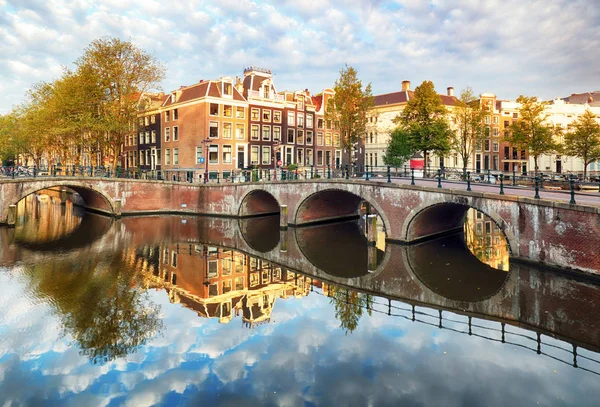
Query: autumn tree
424	119
399	149
9	147
468	117
584	141
532	132
120	73
348	107
349	307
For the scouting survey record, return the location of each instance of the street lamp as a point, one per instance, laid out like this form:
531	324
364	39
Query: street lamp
206	142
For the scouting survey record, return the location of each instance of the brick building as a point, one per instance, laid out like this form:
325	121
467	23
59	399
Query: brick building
142	151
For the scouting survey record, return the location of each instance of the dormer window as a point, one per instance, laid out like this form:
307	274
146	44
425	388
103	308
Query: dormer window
266	91
172	98
227	89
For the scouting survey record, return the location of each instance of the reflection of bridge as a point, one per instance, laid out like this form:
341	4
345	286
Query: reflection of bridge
538	230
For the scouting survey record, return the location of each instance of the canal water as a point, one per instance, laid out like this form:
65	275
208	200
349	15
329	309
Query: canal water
174	310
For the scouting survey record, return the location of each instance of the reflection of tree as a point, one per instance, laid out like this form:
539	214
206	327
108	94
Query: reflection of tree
100	304
349	306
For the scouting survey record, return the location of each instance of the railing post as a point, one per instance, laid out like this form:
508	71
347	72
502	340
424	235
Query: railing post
412	176
501	184
537	189
514	180
367	172
347	172
389	174
469	181
34	171
405	172
312	171
328	171
489	178
218	178
572	184
439	177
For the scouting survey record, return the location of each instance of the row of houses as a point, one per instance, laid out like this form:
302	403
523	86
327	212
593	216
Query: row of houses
219	126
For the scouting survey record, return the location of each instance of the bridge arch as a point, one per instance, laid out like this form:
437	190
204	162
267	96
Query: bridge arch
94	198
258	202
436	218
335	203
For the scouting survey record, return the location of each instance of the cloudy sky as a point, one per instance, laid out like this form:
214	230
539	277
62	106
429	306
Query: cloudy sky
546	48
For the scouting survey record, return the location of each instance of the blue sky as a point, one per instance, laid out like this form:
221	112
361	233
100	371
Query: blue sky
507	47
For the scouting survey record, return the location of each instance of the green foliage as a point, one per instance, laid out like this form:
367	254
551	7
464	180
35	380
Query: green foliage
399	149
349	307
349	106
584	141
468	116
424	119
531	132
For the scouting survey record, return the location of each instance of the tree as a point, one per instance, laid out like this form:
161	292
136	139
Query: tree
399	149
120	72
531	132
349	307
468	117
348	107
8	143
424	119
584	142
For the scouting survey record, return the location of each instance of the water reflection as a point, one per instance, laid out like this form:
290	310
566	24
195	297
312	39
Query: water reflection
485	240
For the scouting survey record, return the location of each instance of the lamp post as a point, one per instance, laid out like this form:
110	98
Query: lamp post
206	142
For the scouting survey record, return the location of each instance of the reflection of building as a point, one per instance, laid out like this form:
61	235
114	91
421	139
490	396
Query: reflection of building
485	240
222	283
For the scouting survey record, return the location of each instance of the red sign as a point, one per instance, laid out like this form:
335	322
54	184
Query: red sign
417	163
279	163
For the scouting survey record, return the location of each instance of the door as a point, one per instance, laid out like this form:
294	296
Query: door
558	166
338	158
153	158
241	155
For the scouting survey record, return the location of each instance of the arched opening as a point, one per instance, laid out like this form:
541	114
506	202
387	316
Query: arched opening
260	233
470	264
328	205
339	249
436	220
258	203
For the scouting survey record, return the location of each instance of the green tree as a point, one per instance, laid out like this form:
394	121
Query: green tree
531	132
8	142
584	141
348	107
468	117
399	149
349	307
424	119
120	73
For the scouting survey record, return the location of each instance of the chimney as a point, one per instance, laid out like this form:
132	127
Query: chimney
405	85
450	91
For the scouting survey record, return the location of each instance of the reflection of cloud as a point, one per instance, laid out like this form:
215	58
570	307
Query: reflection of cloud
301	358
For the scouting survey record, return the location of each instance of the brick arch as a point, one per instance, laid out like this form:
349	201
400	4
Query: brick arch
329	197
95	199
257	202
433	218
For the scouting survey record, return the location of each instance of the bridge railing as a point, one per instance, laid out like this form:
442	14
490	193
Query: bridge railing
442	177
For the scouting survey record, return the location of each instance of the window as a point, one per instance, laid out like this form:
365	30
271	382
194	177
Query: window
522	154
227	111
141	157
309	137
300	156
239	112
153	119
290	136
487	119
146	120
266	133
168	156
486	144
227	89
506	123
496	120
255	114
198	154
147	137
213	131
496	132
175	156
254	132
175	133
266	115
495	147
320	157
266	155
300	137
327	139
319	139
290	118
328	124
336	139
300	103
515	115
141	137
167	134
240	132
309	121
300	120
254	155
214	109
309	157
487	131
506	153
319	123
276	116
227	130
175	114
276	133
167	115
213	154
226	154
141	121
153	136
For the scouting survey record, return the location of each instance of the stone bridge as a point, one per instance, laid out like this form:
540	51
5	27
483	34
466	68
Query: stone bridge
537	230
